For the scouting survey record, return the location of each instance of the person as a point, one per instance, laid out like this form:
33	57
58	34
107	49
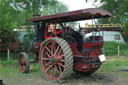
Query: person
85	34
77	36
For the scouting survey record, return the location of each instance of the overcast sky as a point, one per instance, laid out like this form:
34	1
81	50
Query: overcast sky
79	4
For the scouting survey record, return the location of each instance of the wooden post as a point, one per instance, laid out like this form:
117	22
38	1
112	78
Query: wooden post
8	55
118	50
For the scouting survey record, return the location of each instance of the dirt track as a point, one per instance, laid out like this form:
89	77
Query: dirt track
95	79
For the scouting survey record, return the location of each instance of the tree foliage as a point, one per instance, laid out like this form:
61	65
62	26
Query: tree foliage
118	8
58	7
14	12
8	20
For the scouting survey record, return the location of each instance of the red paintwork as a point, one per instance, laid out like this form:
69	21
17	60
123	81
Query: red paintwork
37	46
94	53
21	63
52	30
78	66
86	45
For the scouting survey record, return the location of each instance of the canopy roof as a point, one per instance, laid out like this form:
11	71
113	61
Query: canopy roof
77	15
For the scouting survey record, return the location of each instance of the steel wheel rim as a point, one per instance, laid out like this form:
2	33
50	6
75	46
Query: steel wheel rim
22	63
52	31
52	60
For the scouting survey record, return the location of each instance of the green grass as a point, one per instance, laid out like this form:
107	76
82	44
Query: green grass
111	48
114	66
10	68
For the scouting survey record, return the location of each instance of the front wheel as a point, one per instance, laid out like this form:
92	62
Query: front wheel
23	62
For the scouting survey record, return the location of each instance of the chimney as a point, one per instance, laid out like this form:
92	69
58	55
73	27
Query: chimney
36	15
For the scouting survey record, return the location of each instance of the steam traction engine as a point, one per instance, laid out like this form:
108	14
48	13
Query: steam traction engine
60	49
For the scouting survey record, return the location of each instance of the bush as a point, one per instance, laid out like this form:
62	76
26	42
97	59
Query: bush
111	48
125	31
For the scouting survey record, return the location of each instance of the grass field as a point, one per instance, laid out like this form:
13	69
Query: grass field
10	68
9	72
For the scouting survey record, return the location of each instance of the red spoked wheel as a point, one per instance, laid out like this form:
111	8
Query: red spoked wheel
56	60
23	62
53	31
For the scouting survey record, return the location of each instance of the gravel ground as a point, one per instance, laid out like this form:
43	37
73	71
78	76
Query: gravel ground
95	79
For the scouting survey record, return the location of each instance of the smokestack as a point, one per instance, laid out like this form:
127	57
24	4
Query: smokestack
36	15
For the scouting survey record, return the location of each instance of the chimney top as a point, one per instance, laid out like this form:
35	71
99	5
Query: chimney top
36	15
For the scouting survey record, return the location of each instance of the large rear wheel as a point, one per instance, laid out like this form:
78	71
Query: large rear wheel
56	59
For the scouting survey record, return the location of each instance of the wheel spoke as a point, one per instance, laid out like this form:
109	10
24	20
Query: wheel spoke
21	68
58	32
55	35
60	70
45	58
48	68
48	55
49	36
57	69
23	62
59	52
56	50
55	27
53	45
47	63
49	51
50	29
62	60
60	64
59	58
51	48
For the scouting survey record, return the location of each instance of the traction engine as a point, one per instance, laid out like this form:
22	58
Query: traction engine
60	49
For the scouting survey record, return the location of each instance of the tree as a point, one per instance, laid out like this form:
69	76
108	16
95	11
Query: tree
58	7
118	8
14	12
30	7
7	21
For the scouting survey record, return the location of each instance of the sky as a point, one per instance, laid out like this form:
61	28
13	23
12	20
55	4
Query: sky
80	4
